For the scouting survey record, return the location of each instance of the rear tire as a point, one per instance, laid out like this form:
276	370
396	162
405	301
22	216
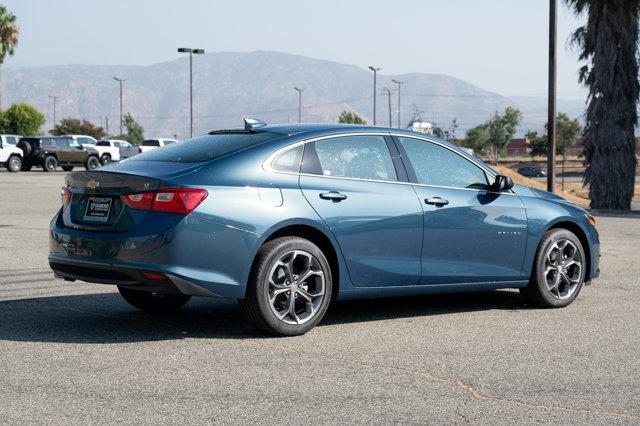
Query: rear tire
92	163
49	164
559	271
289	290
67	168
153	302
14	164
105	159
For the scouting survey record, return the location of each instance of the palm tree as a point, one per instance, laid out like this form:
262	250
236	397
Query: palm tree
609	43
8	37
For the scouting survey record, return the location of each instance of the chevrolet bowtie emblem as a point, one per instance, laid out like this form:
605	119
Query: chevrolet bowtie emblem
92	184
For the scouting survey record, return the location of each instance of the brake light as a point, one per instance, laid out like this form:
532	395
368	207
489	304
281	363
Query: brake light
174	200
65	196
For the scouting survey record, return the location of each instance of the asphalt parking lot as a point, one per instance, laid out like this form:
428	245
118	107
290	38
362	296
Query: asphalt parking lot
76	352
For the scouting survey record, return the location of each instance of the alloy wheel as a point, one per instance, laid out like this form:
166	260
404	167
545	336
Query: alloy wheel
563	271
296	287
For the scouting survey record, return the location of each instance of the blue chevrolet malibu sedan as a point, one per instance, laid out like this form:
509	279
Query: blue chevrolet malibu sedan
288	218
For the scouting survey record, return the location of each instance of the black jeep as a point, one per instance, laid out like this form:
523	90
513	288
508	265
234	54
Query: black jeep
49	152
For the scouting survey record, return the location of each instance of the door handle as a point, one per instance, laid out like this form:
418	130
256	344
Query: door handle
334	196
436	201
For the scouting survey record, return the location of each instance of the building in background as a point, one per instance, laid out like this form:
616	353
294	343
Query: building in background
422	127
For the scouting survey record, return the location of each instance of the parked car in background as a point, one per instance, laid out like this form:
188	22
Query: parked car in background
114	150
151	144
10	139
50	152
10	155
532	171
370	212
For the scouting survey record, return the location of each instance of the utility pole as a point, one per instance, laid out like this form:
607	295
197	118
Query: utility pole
106	120
299	90
387	91
375	75
191	52
120	80
551	119
55	98
399	83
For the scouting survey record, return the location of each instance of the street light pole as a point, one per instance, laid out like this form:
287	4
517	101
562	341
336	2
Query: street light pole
120	80
375	75
55	98
299	90
399	83
191	52
551	119
387	91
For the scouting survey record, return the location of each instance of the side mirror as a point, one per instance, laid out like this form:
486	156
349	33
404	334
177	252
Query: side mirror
502	183
80	146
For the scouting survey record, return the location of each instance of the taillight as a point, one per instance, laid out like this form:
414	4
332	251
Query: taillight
65	196
140	200
139	150
174	200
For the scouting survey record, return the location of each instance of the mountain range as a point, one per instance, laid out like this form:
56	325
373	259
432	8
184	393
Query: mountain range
229	86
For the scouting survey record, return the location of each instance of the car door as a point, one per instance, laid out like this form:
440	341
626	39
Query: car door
471	234
353	184
65	152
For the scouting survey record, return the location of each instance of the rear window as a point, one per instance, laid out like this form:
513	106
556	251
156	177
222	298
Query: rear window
206	147
102	143
151	142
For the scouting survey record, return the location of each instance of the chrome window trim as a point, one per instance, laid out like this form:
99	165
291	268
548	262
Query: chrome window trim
267	165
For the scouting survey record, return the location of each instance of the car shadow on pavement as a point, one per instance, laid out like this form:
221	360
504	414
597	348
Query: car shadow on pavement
106	318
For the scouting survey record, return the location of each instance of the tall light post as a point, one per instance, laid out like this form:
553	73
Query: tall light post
375	76
399	83
299	90
55	98
191	52
551	118
387	92
120	80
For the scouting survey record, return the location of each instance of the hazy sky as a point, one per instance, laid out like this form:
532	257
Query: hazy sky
499	45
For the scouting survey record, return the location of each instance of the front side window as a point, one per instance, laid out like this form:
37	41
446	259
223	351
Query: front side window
439	166
359	157
69	142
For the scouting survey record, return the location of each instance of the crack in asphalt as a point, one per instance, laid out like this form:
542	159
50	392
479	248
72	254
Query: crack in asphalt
475	393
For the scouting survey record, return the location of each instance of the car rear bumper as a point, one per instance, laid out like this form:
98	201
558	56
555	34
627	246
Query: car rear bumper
197	256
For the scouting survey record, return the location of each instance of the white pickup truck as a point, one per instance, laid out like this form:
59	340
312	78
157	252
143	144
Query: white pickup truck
10	155
151	144
114	150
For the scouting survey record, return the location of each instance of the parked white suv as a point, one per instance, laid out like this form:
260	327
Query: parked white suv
10	155
151	144
114	150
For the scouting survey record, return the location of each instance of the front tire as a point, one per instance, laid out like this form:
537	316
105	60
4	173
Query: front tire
290	287
14	164
153	302
49	164
559	271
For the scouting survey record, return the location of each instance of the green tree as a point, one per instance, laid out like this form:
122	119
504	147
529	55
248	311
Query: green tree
135	132
21	119
502	128
478	138
8	37
73	126
567	131
350	117
609	44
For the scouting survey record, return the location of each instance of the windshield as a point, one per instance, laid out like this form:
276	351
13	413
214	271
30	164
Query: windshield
206	147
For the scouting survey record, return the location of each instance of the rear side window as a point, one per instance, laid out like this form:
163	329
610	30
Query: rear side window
439	166
102	143
206	147
359	157
288	161
46	142
151	142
